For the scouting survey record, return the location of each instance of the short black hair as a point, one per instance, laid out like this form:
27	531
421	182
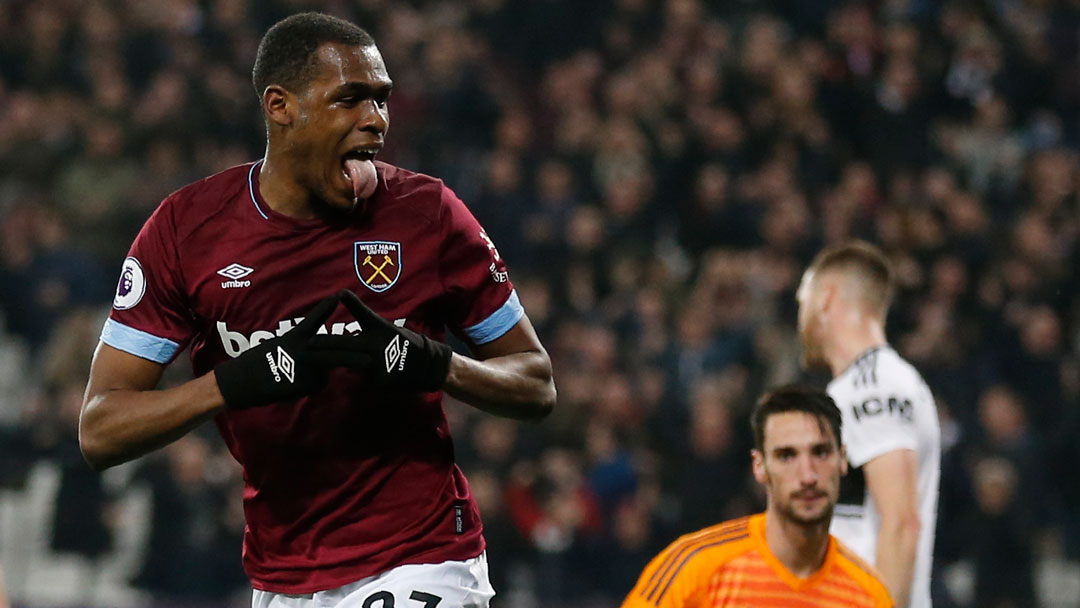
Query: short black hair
286	52
794	398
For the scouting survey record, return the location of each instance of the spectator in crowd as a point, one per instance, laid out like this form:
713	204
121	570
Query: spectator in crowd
1001	539
195	526
706	477
80	523
1007	435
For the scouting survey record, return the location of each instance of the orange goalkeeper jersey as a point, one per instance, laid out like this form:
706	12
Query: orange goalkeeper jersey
730	565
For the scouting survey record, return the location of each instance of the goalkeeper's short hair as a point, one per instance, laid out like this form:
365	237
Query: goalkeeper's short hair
795	398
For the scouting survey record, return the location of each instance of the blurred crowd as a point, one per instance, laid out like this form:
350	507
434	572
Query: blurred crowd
657	174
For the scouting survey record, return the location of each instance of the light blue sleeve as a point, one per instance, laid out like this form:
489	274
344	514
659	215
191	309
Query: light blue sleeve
137	342
498	322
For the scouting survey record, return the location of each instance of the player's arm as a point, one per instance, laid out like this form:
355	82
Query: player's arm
892	479
509	376
123	417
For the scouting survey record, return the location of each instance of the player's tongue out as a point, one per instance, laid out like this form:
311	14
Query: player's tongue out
362	175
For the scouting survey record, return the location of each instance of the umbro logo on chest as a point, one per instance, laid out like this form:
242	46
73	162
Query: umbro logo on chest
234	272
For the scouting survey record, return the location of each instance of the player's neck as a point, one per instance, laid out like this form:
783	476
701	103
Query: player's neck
800	547
848	342
280	190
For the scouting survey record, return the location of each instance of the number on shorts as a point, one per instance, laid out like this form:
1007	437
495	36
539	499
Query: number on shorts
387	599
430	601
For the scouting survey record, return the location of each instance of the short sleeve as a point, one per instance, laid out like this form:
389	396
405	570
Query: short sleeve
482	302
149	317
877	422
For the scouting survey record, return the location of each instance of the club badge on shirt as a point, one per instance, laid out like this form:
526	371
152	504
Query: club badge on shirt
378	264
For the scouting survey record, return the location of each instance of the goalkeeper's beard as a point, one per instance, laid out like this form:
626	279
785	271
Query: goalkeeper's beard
788	512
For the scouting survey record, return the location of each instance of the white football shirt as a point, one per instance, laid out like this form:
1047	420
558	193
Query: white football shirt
885	405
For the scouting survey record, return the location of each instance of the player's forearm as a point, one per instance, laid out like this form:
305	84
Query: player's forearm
897	542
120	425
514	386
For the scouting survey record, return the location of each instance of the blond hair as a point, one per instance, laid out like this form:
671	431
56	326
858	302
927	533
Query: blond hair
867	265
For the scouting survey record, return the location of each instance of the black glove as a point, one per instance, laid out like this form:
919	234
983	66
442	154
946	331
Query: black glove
287	367
399	357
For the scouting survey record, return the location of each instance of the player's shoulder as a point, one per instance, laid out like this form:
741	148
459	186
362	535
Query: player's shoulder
864	575
200	201
691	560
897	368
708	548
879	369
419	193
403	182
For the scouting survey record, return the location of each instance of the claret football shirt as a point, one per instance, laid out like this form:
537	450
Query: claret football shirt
357	479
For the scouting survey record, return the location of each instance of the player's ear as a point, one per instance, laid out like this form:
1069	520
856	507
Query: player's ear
757	463
277	101
843	460
827	289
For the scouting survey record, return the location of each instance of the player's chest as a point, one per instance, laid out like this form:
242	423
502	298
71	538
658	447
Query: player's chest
745	582
263	274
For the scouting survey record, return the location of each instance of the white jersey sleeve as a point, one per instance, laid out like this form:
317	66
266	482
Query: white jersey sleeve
877	403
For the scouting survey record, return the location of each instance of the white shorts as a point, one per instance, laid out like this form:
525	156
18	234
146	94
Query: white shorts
446	585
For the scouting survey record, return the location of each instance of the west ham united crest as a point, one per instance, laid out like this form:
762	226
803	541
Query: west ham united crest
378	264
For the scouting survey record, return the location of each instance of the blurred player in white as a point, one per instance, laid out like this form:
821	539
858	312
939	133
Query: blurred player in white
888	500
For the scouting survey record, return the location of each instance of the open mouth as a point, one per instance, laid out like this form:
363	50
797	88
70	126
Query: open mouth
359	171
356	155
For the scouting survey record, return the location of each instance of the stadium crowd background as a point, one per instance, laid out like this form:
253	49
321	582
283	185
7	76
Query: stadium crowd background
657	174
